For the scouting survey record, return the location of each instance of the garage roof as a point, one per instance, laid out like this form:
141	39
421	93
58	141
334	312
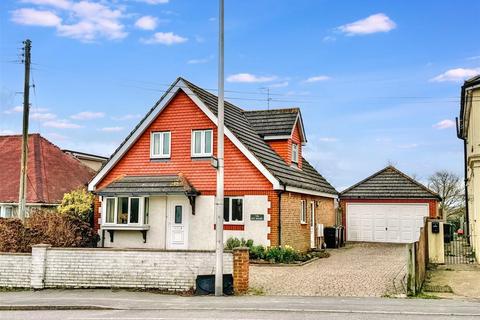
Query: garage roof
389	183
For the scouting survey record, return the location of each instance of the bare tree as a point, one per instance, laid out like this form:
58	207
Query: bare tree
449	186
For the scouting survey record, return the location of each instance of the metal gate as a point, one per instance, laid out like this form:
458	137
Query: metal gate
457	247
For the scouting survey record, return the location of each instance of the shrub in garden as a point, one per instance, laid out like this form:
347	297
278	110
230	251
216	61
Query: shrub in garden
45	226
233	242
77	203
257	252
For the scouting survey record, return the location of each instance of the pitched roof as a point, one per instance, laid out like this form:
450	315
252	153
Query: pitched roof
242	128
50	171
388	183
274	122
237	122
148	185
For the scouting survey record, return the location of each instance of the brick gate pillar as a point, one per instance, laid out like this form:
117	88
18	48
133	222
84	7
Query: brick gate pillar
241	266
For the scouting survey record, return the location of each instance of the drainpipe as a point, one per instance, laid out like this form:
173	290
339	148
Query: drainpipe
461	136
279	194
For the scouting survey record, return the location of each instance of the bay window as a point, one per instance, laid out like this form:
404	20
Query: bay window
126	210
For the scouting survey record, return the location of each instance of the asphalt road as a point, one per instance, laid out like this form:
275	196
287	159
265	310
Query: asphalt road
120	304
217	314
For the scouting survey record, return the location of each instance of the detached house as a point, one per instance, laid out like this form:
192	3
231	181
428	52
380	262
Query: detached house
157	190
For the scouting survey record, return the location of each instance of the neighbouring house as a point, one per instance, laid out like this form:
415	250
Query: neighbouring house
50	173
94	162
388	206
157	190
469	132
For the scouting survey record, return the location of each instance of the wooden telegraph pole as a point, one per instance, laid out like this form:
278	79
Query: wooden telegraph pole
26	108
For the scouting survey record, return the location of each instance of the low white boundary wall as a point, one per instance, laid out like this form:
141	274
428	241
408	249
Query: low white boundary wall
15	270
49	267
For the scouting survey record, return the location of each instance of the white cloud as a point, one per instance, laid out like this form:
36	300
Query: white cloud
146	23
317	79
111	129
444	124
62	4
33	17
154	2
61	124
87	20
375	23
474	58
42	116
87	115
199	61
249	78
127	117
166	38
16	109
457	75
329	39
328	139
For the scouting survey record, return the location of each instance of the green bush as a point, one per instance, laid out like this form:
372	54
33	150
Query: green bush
235	243
78	204
257	252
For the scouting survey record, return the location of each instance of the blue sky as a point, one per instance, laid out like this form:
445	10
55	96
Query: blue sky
377	81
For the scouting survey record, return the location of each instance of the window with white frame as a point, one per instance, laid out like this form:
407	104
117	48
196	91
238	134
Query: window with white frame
6	211
312	214
233	210
202	143
303	212
294	153
126	210
160	144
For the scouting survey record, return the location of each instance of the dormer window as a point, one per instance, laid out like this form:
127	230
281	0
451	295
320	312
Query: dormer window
295	153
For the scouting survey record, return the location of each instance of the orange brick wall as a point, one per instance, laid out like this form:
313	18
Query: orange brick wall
180	117
241	265
296	234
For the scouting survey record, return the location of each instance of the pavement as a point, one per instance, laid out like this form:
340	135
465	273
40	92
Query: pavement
357	270
108	304
454	281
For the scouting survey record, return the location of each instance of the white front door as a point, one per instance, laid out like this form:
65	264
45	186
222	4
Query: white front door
178	225
312	225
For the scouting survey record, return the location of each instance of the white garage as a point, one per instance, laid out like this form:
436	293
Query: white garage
388	206
385	222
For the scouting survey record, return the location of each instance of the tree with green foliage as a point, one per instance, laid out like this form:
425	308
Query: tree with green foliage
78	203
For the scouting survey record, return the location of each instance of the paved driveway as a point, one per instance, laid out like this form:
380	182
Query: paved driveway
357	270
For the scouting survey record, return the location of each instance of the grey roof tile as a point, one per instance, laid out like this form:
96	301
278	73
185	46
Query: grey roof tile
388	183
148	185
238	123
273	122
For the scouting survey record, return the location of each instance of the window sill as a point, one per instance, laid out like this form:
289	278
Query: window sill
201	157
125	227
303	223
231	226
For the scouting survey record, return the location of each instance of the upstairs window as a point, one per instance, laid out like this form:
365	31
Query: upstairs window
294	153
202	143
160	145
233	210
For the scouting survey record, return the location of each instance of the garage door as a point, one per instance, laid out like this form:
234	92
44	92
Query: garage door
398	223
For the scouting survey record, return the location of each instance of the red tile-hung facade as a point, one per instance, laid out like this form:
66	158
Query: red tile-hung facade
283	147
180	117
432	205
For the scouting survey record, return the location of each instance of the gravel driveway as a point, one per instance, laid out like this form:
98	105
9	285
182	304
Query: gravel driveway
362	269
